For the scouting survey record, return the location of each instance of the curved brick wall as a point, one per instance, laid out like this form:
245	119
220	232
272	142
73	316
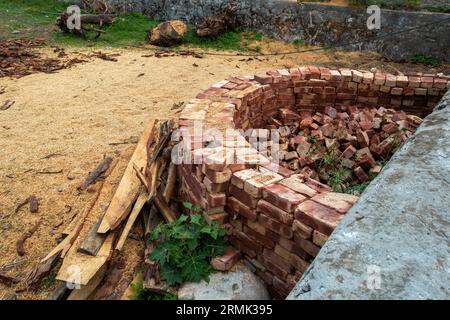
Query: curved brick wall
279	220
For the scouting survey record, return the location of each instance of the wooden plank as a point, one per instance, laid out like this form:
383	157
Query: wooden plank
63	247
79	268
85	291
93	241
128	188
165	210
100	169
140	202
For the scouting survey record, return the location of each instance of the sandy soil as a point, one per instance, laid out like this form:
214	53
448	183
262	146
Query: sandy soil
62	124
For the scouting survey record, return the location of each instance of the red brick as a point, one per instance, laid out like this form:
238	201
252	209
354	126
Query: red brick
267	277
214	187
363	138
282	197
249	242
302	230
277	169
299	264
218	176
216	199
277	260
319	238
254	185
296	183
362	176
307	245
275	226
293	247
241	208
243	196
316	185
259	238
349	152
226	260
341	202
241	246
274	212
318	216
281	286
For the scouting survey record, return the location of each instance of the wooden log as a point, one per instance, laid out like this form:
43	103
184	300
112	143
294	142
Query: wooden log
128	189
140	202
93	241
100	169
86	266
97	19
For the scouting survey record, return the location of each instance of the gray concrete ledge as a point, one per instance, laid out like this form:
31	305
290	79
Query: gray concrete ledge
400	225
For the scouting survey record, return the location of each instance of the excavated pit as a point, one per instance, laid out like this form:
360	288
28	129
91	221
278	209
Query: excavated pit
269	156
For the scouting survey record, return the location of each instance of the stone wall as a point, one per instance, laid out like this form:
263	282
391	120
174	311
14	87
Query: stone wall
319	24
279	220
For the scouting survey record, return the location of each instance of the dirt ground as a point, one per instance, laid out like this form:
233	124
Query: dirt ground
62	124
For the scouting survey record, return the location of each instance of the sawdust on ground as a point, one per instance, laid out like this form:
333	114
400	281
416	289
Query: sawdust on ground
62	124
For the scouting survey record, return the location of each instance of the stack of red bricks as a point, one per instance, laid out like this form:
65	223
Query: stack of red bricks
357	139
277	218
280	221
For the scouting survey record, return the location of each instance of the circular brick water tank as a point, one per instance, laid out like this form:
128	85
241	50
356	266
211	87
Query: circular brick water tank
277	218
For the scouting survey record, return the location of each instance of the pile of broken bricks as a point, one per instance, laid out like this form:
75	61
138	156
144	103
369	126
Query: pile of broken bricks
358	140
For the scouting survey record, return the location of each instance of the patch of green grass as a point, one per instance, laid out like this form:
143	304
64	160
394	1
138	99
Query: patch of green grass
228	41
441	9
28	18
298	42
36	18
389	4
357	189
127	30
425	59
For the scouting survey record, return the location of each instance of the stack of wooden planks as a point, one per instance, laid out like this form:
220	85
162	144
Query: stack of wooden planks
88	255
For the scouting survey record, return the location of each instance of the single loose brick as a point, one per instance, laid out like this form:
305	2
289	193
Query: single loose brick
318	216
274	212
296	183
282	197
254	185
226	260
339	201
